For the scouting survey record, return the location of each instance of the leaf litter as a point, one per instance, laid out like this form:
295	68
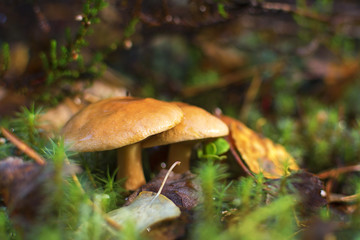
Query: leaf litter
26	188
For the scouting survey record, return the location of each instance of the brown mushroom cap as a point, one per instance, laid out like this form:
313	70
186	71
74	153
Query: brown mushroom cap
197	124
117	122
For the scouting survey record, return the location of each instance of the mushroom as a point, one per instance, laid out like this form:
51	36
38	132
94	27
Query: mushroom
121	123
197	124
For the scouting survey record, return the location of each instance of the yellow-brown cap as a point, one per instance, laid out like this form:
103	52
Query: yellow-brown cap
116	122
197	124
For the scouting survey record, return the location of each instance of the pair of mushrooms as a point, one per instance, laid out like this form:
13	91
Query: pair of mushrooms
130	124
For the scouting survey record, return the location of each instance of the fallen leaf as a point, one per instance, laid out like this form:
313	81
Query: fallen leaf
334	76
259	153
308	187
103	89
179	188
224	58
21	190
145	211
333	73
25	188
55	118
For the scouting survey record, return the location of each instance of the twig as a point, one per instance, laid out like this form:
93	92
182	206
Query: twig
22	146
238	76
237	157
108	220
75	178
292	9
234	77
165	178
250	95
335	172
91	178
43	21
230	140
340	198
328	188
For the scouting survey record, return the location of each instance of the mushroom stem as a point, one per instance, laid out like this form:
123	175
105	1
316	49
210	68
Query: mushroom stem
130	166
180	152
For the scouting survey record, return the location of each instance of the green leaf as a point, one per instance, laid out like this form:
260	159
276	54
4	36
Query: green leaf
131	28
200	153
210	149
44	61
222	11
53	54
222	146
5	55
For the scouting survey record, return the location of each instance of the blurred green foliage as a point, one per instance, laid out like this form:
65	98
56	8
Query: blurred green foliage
4	58
64	64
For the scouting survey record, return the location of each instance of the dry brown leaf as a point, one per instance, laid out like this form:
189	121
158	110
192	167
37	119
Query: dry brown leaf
54	119
22	146
224	58
336	76
179	188
26	188
309	189
259	153
21	187
102	89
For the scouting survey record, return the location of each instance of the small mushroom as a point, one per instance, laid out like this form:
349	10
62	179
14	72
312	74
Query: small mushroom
197	124
121	123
